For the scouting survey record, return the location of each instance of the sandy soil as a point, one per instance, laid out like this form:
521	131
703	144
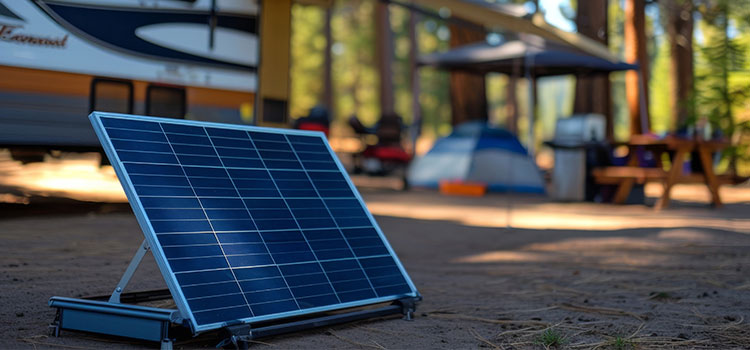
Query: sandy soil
493	271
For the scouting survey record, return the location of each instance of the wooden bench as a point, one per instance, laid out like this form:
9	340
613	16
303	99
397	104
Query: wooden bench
626	176
613	175
679	149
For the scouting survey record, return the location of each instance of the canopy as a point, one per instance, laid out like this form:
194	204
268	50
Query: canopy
494	17
541	57
530	56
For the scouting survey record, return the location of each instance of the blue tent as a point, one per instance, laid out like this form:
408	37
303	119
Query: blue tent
476	152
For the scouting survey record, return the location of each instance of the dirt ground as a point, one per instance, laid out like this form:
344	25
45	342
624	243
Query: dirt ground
502	271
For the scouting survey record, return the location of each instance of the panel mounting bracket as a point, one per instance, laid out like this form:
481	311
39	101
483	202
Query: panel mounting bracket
116	313
112	317
124	320
408	306
129	272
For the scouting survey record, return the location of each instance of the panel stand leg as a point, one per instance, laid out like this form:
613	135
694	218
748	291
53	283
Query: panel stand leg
54	327
408	307
112	317
129	272
166	344
236	336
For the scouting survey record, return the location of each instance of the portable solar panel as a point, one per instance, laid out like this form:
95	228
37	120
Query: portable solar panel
250	224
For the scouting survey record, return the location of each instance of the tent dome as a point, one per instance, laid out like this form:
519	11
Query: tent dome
476	152
479	128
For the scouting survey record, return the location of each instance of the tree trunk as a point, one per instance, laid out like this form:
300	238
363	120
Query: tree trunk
635	52
327	63
593	93
468	92
384	56
416	108
680	32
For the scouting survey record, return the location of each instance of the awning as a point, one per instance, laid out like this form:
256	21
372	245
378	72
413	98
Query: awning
495	18
542	57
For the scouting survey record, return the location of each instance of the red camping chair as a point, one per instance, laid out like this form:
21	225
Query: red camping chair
387	156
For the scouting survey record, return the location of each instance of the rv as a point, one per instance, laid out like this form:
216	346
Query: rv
62	59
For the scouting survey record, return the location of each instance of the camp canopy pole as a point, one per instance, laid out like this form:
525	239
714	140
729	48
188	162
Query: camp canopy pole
532	101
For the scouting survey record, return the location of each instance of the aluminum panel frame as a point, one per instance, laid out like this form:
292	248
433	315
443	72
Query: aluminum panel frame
158	252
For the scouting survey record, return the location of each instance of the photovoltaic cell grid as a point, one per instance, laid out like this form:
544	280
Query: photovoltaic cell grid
253	224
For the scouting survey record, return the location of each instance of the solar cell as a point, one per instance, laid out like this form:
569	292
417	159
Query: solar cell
250	224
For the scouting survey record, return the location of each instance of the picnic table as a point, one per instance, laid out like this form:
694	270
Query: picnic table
626	176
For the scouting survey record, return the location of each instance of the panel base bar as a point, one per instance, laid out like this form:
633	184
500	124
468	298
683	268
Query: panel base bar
166	325
240	335
122	320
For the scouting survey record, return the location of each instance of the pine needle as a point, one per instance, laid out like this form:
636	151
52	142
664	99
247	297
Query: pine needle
484	340
601	310
344	339
489	320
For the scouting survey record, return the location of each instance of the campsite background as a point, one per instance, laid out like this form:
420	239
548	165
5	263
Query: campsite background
721	47
506	270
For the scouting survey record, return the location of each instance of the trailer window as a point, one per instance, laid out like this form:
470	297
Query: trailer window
111	95
166	101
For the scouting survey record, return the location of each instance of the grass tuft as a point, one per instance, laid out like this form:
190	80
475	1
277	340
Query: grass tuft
660	296
620	343
551	338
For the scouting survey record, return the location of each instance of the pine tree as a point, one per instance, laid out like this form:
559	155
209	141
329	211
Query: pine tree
721	55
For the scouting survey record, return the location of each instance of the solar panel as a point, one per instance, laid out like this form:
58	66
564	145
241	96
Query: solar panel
250	224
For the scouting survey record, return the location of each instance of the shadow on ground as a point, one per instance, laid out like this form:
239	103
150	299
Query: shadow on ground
59	207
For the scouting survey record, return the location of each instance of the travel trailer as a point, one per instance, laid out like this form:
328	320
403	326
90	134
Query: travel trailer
62	59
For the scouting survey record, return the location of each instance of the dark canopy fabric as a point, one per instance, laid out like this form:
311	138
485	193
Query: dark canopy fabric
543	57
